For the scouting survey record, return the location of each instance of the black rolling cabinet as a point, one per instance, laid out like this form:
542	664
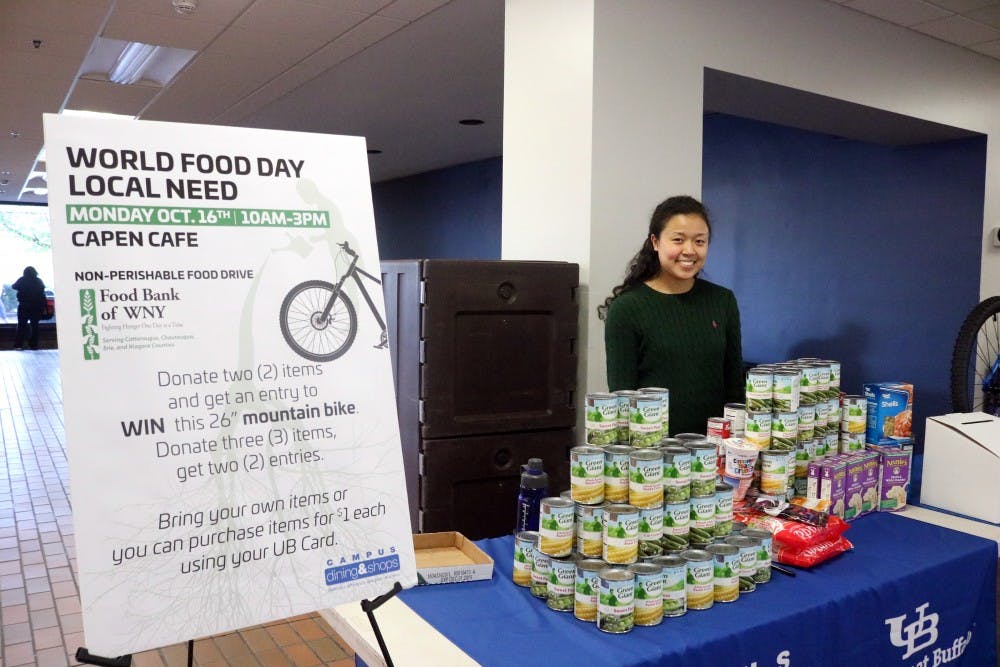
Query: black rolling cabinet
484	361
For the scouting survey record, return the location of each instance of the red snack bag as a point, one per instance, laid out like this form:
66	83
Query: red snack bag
798	535
809	556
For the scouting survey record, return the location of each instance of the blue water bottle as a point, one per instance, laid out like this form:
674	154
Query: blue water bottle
534	487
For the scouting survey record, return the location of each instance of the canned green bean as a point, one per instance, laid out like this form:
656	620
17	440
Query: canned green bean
726	583
807	422
624	412
650	531
812	378
784	430
702	527
674	576
540	566
562	583
616	602
645	425
589	520
676	525
786	390
763	553
748	561
645	487
704	459
736	413
790	465
676	473
601	421
834	384
621	534
648	601
700	578
822	417
831	443
851	442
821	373
586	474
723	510
587	589
759	389
688	438
616	470
525	543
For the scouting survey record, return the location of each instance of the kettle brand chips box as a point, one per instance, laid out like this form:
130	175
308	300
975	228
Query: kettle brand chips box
889	412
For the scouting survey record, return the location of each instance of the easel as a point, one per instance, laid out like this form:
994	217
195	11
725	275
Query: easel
84	656
369	607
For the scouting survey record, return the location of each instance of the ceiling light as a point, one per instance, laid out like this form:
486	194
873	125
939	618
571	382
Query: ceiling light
185	6
132	63
14	134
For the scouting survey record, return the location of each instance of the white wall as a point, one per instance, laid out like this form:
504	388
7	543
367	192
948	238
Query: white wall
648	59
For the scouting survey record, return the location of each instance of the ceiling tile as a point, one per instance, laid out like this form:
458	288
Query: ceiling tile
251	47
39	66
901	12
90	95
987	15
177	31
959	30
962	6
16	36
988	48
363	6
76	16
221	12
295	18
411	10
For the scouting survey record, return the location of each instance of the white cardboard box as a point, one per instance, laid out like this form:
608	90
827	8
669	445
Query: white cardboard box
962	465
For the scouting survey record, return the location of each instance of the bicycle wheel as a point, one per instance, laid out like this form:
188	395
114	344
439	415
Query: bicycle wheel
975	362
307	332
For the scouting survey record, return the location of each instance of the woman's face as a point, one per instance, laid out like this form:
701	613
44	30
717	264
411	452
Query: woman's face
682	247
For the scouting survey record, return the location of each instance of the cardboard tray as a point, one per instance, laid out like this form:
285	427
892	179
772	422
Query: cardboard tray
446	558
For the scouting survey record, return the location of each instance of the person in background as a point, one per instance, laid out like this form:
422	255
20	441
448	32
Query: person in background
30	307
665	326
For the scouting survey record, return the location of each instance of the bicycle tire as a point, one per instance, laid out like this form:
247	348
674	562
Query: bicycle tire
965	354
301	326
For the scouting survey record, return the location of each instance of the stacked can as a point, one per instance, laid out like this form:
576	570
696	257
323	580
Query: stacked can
726	582
586	474
648	417
676	473
676	526
700	587
525	544
648	601
760	389
763	553
703	468
723	510
674	571
561	589
645	488
556	532
748	561
624	413
540	574
736	414
616	473
620	534
587	589
616	602
650	531
853	415
589	529
601	419
757	429
702	528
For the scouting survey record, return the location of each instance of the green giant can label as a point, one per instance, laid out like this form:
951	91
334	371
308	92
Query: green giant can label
587	589
540	575
726	572
704	464
786	390
586	474
674	584
601	421
562	584
700	578
676	473
648	600
763	553
621	534
645	420
616	469
702	528
676	526
759	389
616	601
723	510
645	487
589	530
624	411
525	543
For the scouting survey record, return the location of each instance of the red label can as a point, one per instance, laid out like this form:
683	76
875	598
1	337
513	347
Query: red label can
719	430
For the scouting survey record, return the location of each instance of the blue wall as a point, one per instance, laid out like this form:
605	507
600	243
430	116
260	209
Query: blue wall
847	250
451	213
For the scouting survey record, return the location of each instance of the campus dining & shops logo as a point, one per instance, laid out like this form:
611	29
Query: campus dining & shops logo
922	633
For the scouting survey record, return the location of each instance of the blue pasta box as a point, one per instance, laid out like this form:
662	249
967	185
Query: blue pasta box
889	412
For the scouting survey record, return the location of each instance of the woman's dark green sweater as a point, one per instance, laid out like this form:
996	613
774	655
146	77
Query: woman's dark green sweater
688	343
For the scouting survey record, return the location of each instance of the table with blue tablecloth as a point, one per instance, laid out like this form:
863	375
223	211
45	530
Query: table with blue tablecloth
910	593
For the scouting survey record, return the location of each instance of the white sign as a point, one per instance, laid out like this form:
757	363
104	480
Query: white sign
230	419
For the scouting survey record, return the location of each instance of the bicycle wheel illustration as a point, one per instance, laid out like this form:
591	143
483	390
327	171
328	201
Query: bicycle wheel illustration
305	329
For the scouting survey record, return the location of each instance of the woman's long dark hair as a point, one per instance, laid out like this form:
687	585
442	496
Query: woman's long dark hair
646	264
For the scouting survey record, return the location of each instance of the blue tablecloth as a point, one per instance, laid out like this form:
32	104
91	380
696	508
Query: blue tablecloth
909	594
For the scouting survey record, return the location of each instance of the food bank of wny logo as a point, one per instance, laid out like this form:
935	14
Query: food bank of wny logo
914	636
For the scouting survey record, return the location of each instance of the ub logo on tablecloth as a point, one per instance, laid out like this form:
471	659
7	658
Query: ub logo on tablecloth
914	636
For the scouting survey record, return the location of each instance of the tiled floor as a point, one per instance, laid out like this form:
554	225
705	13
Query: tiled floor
40	620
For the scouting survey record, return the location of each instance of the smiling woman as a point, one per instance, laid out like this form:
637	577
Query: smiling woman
667	327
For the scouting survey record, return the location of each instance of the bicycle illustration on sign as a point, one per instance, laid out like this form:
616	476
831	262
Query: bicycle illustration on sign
318	320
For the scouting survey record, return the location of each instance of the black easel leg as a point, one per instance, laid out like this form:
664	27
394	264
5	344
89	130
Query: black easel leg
190	652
